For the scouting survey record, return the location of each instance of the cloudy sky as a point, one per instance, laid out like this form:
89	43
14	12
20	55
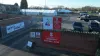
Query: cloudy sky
54	3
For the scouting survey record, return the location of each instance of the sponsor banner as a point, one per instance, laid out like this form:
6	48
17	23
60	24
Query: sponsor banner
32	34
19	25
51	37
35	34
48	23
15	27
57	23
38	35
10	28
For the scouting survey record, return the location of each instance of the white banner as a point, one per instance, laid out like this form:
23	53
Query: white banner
38	35
47	22
10	28
14	27
32	34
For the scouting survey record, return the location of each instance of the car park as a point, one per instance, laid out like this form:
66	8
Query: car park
93	22
89	18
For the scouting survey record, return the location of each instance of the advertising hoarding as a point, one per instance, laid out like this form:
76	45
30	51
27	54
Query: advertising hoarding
10	28
48	23
15	27
57	23
52	23
38	34
32	34
51	37
35	34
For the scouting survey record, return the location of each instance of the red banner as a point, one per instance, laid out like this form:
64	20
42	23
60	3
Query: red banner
57	23
51	37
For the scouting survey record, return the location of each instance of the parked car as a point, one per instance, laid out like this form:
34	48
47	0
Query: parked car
94	26
78	26
83	13
87	18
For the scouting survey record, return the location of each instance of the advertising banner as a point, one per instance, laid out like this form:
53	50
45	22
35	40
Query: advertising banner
18	26
38	35
15	27
35	34
10	28
57	23
51	37
32	34
48	23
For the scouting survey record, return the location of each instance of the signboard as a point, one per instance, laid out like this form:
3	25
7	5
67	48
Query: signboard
32	34
10	28
57	23
51	37
15	27
47	23
35	34
52	23
18	26
38	35
29	44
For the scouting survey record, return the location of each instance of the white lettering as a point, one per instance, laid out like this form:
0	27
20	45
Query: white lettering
14	27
